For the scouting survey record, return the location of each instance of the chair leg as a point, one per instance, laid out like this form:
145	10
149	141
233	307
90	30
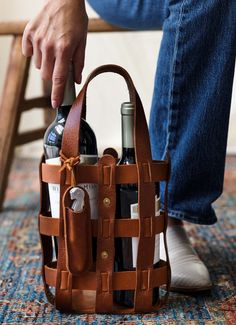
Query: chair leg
13	93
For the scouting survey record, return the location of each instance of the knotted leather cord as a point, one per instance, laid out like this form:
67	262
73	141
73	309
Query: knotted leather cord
69	163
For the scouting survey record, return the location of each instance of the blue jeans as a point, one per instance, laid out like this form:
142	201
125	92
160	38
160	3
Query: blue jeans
192	93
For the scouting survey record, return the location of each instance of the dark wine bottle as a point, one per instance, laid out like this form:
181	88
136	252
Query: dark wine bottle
52	147
127	207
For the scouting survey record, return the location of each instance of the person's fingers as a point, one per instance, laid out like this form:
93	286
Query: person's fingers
48	61
27	47
37	51
59	78
78	60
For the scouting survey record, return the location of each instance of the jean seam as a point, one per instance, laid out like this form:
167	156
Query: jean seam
172	114
173	102
197	219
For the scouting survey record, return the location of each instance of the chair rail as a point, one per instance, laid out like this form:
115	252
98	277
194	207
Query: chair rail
96	25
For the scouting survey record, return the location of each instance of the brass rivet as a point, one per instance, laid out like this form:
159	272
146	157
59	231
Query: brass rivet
104	254
107	202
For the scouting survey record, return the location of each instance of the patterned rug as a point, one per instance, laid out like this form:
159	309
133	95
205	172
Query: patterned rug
22	298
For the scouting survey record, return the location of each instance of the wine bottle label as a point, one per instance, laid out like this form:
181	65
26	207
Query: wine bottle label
54	191
134	215
92	189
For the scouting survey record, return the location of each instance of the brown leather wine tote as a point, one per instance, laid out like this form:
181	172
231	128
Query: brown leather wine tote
75	281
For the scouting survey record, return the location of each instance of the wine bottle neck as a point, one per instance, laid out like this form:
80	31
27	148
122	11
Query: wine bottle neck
127	131
62	113
127	121
69	97
69	94
128	155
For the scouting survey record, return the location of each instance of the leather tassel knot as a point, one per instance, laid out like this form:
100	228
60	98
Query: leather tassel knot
69	163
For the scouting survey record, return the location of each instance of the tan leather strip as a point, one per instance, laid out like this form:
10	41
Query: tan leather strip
105	240
123	227
143	291
64	280
63	298
157	171
50	275
121	280
46	242
48	226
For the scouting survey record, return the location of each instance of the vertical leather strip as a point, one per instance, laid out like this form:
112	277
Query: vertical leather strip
105	282
105	239
145	280
143	291
46	241
64	280
63	289
106	228
146	201
147	172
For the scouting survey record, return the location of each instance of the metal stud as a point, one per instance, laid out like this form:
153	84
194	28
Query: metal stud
104	254
107	202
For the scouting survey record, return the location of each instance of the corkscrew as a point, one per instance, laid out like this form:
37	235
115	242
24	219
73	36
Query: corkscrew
77	196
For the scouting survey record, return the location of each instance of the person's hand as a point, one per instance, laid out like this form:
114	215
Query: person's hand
54	37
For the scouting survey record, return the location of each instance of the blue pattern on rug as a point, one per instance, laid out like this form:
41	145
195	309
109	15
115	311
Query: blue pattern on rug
22	298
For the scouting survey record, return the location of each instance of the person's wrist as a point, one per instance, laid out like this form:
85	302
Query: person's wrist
82	3
82	6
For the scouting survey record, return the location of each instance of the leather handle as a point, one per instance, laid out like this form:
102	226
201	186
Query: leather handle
70	141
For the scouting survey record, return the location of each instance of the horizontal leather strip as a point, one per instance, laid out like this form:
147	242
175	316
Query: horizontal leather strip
121	280
48	226
50	276
159	171
123	227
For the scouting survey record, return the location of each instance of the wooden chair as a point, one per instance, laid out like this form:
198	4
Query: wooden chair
13	102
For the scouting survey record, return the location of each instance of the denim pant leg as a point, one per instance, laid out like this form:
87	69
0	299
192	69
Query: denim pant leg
191	103
192	93
132	14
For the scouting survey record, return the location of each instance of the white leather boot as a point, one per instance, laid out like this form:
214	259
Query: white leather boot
188	272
